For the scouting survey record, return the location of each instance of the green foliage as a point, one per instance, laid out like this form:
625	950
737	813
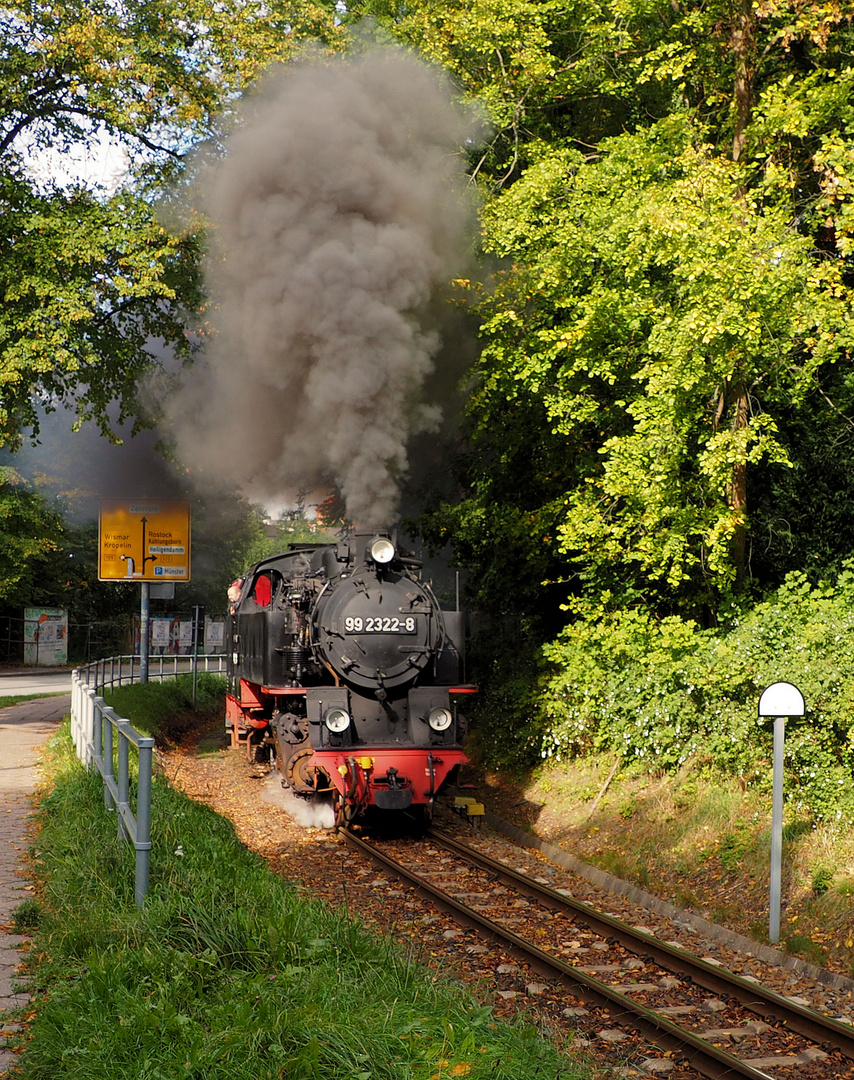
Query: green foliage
800	516
663	692
802	945
155	75
88	283
822	879
229	971
734	846
30	532
646	301
667	204
95	287
543	69
26	916
503	733
293	527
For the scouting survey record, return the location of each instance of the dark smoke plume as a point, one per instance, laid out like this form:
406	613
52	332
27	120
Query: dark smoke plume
338	214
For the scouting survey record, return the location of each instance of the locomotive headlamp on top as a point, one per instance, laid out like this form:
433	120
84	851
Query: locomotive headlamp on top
337	720
440	719
382	550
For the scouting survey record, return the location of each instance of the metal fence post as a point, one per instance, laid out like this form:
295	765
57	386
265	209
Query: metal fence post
143	819
123	800
89	728
92	723
75	710
97	727
107	761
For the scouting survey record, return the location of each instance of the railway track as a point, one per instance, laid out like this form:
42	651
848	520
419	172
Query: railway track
696	1017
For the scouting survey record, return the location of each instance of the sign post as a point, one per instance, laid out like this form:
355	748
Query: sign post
144	540
198	632
779	700
144	630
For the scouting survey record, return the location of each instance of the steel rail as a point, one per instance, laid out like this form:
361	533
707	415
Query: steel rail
805	1021
709	1060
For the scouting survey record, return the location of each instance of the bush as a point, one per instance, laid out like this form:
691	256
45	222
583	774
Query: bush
662	692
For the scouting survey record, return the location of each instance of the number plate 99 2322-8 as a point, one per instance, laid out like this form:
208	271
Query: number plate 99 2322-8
380	624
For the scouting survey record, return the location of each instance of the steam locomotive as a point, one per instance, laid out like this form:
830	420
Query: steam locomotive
343	668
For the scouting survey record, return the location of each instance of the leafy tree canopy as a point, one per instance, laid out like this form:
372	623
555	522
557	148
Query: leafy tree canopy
669	204
91	278
545	69
662	319
30	532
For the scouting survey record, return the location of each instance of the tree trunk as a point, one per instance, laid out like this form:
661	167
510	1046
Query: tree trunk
742	44
738	492
734	397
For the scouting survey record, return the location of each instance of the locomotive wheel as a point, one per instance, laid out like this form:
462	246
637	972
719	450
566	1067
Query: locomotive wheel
298	775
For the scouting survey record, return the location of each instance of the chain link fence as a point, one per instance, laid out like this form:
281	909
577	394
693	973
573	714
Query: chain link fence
111	637
86	641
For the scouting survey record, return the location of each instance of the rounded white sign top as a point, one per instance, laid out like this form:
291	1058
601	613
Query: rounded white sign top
781	699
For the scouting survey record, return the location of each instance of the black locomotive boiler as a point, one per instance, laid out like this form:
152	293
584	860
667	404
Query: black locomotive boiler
344	668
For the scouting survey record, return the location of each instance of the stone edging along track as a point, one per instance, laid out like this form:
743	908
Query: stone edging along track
720	934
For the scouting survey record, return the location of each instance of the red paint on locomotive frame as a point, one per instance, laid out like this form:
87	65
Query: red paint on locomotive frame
411	765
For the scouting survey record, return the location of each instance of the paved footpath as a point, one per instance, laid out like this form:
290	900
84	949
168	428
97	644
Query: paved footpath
23	730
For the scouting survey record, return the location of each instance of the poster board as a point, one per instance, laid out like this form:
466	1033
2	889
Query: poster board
46	636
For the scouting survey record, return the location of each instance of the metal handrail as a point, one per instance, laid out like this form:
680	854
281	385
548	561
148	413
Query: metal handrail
116	671
93	725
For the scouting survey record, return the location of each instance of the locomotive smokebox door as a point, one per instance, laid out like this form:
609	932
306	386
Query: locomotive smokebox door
377	631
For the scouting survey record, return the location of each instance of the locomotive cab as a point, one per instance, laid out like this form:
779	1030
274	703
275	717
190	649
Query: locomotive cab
344	667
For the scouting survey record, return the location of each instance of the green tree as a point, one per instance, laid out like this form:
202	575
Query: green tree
31	533
91	278
545	70
88	284
801	515
665	297
662	326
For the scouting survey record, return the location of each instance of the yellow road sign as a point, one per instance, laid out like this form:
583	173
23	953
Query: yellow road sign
144	540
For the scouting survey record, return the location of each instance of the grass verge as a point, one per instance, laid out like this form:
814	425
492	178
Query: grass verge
228	972
16	699
168	709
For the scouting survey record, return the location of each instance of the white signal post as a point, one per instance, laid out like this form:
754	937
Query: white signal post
778	701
